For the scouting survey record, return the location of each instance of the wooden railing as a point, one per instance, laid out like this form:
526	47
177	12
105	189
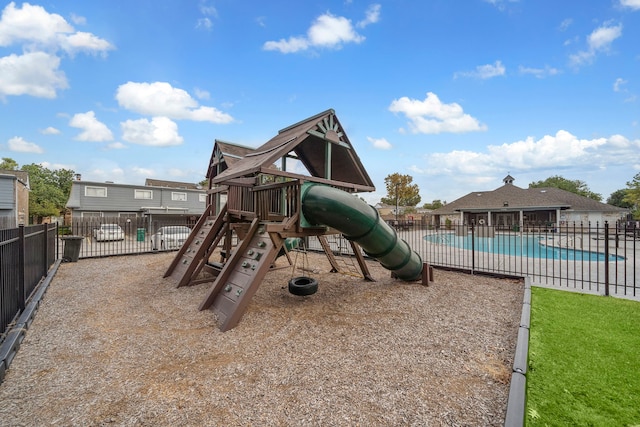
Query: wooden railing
269	202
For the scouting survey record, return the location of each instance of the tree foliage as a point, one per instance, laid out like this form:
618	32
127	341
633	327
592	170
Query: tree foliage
632	195
618	198
576	186
50	188
434	205
8	164
401	186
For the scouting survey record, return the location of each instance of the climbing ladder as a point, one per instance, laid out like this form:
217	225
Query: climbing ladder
242	274
195	252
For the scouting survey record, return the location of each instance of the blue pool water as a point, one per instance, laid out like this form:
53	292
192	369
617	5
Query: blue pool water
522	245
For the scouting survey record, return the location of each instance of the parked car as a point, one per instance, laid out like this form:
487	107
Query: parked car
108	232
169	237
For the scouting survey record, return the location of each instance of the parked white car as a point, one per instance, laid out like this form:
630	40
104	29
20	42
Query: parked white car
169	237
108	232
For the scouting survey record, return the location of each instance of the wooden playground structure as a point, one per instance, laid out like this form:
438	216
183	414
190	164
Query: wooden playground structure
254	201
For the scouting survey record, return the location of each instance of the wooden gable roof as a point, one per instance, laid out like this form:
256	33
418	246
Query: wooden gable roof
318	142
225	155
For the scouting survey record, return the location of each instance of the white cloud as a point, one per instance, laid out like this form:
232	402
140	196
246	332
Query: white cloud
36	28
144	172
327	31
161	99
380	143
617	85
561	149
202	94
31	24
56	166
633	4
204	22
85	42
116	146
42	35
177	173
34	73
599	41
431	116
501	4
18	144
551	152
539	72
50	131
207	9
372	15
159	132
104	171
92	128
291	45
565	24
484	71
78	20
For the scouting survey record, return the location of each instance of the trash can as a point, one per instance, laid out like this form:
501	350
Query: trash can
72	246
140	234
516	227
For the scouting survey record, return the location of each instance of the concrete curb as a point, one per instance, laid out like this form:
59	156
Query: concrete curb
516	404
16	334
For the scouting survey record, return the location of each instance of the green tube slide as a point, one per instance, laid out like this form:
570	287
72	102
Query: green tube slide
361	223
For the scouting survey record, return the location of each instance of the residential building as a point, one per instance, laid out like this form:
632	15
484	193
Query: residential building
166	199
533	208
14	198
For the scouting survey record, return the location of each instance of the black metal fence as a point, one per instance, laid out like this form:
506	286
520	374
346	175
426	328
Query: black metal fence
26	254
121	236
596	258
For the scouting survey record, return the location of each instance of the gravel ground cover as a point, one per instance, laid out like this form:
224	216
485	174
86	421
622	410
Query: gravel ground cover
114	343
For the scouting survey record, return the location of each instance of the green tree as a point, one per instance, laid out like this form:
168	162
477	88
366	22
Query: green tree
632	195
575	186
617	198
8	164
401	186
434	205
49	190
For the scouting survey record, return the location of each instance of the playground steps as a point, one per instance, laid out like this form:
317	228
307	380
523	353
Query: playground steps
194	253
241	275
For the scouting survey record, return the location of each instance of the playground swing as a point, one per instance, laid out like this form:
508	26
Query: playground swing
302	285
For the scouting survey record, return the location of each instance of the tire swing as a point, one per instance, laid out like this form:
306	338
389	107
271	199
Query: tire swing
302	285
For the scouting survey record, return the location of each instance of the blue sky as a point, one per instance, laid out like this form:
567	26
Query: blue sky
457	94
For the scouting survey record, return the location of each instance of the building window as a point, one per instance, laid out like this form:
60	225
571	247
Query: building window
179	197
143	194
95	191
91	214
202	198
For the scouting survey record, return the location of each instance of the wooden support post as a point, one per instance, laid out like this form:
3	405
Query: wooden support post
427	274
361	262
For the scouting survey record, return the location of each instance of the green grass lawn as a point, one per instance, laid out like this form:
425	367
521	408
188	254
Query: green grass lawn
584	360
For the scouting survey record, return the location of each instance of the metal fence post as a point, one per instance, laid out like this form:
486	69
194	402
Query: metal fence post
21	297
606	258
45	249
473	248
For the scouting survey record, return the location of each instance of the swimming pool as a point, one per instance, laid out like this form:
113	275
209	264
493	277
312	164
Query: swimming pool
523	245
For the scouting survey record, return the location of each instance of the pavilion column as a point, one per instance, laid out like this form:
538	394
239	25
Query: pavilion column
521	214
489	222
461	217
557	219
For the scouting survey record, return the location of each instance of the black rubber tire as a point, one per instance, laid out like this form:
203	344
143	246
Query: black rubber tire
303	286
